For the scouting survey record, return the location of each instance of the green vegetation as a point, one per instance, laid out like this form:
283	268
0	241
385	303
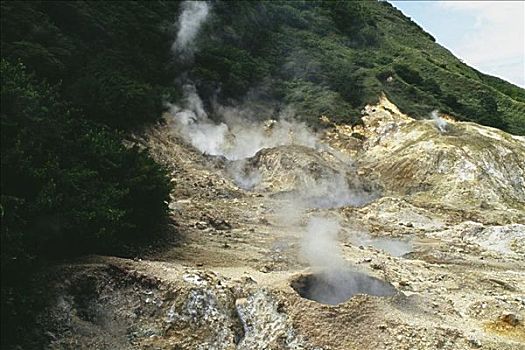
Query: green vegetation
112	58
333	57
75	77
68	184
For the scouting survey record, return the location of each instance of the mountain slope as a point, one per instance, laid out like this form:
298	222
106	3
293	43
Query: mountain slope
319	57
334	57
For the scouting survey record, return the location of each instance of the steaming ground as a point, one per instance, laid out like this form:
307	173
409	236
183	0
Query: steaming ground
256	150
237	136
441	123
281	259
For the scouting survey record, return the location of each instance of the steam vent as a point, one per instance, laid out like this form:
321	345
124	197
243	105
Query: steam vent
334	287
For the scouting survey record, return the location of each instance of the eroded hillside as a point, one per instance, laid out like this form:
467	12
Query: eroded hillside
397	234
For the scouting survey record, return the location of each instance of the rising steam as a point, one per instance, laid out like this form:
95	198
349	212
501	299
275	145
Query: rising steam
194	14
237	133
192	123
236	137
320	246
332	281
441	123
333	192
244	176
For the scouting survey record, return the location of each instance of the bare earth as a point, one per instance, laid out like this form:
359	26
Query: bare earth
442	221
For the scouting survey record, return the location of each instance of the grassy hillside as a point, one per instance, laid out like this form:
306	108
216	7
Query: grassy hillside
114	62
333	57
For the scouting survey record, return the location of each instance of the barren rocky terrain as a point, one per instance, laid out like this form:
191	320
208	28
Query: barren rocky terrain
424	247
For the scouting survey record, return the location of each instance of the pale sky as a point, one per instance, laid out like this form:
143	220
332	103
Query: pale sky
487	35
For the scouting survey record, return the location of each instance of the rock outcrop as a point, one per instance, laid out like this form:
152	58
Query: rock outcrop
467	168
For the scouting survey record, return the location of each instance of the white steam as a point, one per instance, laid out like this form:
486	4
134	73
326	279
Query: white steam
333	192
192	123
320	246
394	247
247	138
237	137
245	177
441	123
194	14
333	281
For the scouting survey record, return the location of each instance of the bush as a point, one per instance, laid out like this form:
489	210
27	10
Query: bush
111	95
110	58
408	74
68	185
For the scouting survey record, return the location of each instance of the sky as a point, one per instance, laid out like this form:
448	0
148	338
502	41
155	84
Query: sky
486	35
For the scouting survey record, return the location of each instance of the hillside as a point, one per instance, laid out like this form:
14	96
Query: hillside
327	58
332	58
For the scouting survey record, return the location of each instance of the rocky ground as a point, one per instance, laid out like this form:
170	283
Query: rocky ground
437	215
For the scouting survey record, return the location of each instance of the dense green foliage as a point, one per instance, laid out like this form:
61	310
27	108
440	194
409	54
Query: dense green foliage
110	57
107	67
68	183
333	57
74	76
68	186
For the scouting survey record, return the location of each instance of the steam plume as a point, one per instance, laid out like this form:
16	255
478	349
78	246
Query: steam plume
245	177
193	15
192	123
333	281
237	137
441	123
320	246
333	192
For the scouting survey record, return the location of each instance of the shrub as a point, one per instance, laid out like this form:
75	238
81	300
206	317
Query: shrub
68	186
408	74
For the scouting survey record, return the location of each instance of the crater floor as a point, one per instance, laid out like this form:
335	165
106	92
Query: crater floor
441	239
